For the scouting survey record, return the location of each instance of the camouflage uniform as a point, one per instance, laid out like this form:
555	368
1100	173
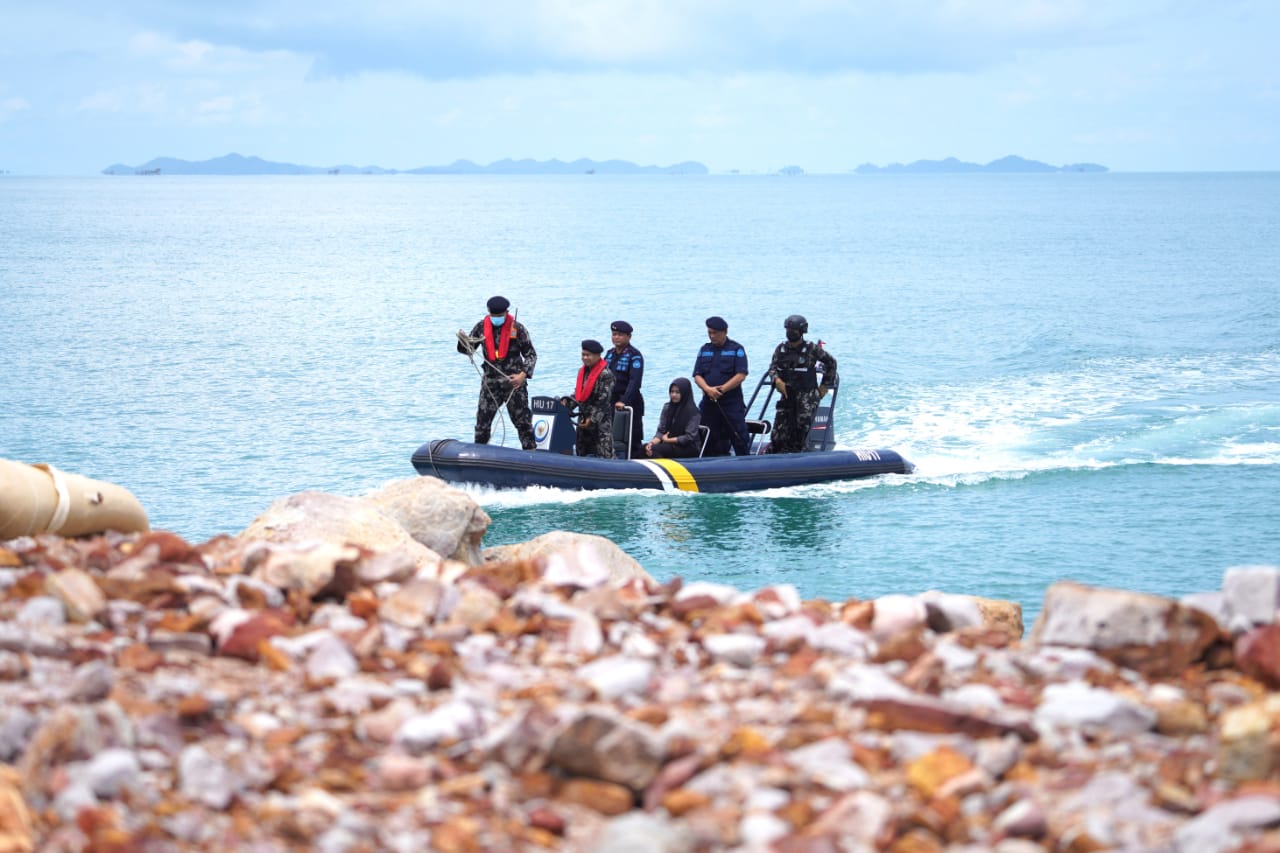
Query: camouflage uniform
495	387
797	367
597	439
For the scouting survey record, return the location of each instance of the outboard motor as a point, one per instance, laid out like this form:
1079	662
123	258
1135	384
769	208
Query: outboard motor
821	435
553	426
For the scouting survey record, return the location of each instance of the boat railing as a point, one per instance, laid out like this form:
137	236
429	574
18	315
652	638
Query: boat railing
821	435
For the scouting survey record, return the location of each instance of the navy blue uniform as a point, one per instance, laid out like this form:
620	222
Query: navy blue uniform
726	418
627	368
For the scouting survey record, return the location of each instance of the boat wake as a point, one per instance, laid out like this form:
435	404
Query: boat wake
1205	410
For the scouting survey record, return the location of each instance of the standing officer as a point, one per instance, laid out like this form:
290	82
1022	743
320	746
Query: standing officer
591	396
627	366
794	372
719	371
509	359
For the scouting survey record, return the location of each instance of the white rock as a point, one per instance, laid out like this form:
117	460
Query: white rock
841	639
974	696
585	636
955	657
575	559
444	519
331	659
642	832
829	763
862	683
1218	828
311	517
112	771
617	676
759	830
1077	704
303	644
636	644
767	799
1213	603
70	800
455	720
738	649
722	593
42	611
897	613
1253	592
789	629
205	779
91	682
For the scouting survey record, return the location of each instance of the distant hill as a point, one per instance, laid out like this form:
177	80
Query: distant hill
1004	165
235	164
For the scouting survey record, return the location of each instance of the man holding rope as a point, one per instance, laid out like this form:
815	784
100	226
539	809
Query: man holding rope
509	359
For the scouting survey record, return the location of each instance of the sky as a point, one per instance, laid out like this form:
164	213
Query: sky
748	85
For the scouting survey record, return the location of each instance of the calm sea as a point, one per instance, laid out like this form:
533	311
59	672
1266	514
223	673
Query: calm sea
1085	368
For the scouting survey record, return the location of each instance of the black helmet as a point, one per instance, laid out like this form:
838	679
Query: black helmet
797	322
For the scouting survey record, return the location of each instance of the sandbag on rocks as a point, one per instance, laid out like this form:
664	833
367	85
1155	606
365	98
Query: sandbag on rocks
41	499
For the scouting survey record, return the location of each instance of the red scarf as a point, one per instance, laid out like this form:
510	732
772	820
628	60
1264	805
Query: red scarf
587	381
508	332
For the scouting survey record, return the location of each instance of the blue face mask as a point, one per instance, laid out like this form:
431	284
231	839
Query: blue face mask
498	321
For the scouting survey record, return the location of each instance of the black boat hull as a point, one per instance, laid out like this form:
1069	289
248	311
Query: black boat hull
507	468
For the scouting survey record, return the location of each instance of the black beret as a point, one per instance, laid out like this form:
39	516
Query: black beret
498	305
718	324
592	346
621	326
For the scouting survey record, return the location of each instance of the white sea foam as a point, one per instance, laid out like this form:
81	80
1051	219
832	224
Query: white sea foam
1202	410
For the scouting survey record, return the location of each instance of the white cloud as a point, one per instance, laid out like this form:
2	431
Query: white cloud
109	101
10	107
219	106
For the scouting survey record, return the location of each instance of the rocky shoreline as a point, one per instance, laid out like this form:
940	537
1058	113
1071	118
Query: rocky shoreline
361	674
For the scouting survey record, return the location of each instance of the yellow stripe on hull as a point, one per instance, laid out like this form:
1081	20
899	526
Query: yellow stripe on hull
680	474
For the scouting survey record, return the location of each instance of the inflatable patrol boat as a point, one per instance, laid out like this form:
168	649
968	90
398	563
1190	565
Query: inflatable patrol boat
554	465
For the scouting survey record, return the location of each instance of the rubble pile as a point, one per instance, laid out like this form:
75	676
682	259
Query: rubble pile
266	695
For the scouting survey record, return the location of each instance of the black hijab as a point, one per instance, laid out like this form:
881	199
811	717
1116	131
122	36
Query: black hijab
684	410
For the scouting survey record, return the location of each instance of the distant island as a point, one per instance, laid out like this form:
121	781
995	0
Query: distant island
236	164
1005	165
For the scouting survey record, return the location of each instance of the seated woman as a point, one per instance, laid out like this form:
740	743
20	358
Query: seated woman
677	436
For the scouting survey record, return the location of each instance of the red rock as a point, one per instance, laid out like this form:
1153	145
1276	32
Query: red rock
608	798
169	547
682	800
673	775
1258	654
244	639
934	769
925	715
806	843
547	819
139	657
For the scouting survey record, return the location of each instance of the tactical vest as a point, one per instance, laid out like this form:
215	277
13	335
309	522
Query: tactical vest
798	367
